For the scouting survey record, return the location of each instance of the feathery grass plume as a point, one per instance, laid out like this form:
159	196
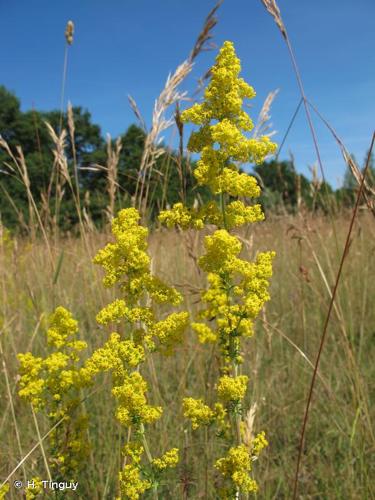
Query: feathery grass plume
169	96
69	32
237	288
113	157
274	10
52	385
127	265
263	125
20	170
152	150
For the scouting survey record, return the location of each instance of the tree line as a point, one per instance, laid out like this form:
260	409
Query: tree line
283	188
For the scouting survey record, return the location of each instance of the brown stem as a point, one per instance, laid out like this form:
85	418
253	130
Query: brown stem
324	334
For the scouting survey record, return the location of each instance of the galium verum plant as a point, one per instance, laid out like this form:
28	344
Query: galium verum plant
127	265
53	385
237	289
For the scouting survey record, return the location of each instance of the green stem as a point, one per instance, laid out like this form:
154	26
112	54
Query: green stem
149	457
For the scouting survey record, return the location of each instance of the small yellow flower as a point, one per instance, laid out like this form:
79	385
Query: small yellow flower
236	467
232	388
197	412
4	490
168	460
132	486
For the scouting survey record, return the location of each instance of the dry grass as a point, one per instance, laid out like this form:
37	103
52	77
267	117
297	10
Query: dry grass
338	452
337	459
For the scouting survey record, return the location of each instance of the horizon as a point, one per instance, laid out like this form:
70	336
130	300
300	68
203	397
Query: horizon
103	70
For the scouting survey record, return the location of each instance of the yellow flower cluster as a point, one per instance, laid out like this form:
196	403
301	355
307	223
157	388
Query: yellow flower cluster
237	289
181	216
237	292
222	144
232	389
55	375
115	355
236	184
132	402
236	467
4	490
225	92
127	264
168	460
202	415
52	384
259	443
204	332
35	488
170	330
132	486
197	412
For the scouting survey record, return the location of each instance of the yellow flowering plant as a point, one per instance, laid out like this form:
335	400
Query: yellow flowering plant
52	385
127	265
237	289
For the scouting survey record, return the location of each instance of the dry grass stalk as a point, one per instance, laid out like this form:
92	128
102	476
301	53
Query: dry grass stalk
180	158
61	168
249	425
368	191
206	34
169	96
152	150
327	319
137	113
113	157
60	160
12	406
37	445
274	10
69	32
263	126
60	172
21	169
71	128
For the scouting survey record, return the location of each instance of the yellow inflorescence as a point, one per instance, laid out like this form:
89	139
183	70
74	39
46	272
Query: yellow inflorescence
222	143
168	460
237	289
132	402
204	332
197	412
57	373
4	490
127	264
35	488
232	388
52	384
131	483
236	467
259	443
170	330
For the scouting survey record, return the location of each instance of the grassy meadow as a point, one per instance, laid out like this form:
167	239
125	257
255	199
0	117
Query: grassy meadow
44	264
338	457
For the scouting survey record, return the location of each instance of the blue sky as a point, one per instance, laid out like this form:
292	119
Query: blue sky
128	47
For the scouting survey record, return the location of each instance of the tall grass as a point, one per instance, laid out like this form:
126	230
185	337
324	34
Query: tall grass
338	450
338	457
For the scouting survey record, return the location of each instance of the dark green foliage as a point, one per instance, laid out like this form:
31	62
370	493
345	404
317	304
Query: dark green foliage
171	180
